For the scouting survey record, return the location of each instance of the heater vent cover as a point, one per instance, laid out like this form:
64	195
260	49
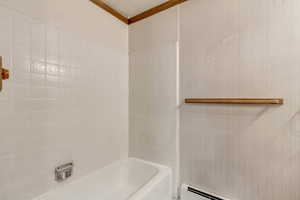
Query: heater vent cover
203	194
191	193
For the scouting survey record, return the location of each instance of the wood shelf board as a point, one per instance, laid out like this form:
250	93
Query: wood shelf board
276	101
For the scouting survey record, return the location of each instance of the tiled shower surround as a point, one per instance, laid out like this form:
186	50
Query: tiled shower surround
68	83
67	99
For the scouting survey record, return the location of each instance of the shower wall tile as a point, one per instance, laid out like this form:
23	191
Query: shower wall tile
68	90
153	91
241	49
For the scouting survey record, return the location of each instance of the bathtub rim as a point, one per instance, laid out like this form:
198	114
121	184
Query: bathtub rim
162	172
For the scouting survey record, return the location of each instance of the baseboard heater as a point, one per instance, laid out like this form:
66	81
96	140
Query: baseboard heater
203	194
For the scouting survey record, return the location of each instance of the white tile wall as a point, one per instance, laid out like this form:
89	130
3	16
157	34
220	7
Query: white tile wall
153	92
67	96
241	49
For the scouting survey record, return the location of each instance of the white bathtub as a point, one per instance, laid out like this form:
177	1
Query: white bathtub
131	179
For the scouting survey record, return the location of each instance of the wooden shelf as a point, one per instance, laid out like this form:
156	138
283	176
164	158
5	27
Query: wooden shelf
234	101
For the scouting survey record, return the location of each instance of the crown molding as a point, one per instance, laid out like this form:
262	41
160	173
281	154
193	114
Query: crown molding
109	9
155	10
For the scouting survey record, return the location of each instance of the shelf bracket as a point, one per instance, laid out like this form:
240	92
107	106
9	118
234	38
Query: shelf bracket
4	73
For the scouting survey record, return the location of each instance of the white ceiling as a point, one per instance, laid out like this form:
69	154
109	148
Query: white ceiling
130	8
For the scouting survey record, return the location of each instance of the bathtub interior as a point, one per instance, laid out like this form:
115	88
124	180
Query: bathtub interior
118	181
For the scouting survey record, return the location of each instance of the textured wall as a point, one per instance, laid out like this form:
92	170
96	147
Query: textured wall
68	90
241	48
153	89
